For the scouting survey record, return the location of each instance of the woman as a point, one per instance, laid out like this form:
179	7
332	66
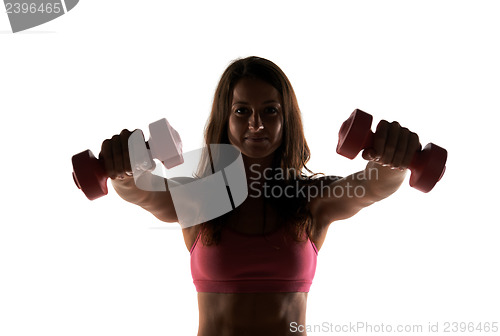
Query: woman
253	266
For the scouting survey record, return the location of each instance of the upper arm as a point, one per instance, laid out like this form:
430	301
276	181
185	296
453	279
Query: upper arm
340	199
160	205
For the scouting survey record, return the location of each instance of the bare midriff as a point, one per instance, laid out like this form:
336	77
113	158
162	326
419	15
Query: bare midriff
239	314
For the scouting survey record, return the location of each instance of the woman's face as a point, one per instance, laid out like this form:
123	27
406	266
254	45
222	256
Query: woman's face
256	118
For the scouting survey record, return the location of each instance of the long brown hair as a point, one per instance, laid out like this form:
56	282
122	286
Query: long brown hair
291	156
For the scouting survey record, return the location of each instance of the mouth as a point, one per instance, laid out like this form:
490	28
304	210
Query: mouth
256	139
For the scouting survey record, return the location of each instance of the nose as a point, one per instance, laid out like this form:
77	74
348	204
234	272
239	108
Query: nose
255	122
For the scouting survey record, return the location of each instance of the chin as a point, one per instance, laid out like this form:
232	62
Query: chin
257	156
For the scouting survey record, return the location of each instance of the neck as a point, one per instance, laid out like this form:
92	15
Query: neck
258	171
257	168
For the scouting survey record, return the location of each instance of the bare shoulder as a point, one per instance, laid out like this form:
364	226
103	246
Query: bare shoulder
340	199
191	232
316	189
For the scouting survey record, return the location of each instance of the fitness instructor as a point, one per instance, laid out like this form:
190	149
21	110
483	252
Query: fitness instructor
253	267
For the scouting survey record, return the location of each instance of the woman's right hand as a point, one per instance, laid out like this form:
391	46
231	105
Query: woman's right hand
116	160
115	156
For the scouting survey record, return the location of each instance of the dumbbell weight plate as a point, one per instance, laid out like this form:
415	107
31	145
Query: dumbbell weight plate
355	134
165	143
427	167
89	175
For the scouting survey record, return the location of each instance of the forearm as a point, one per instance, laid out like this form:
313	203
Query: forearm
128	191
159	202
380	181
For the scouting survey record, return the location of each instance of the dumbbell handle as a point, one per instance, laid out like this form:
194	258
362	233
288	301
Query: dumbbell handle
418	160
369	141
427	165
164	144
90	174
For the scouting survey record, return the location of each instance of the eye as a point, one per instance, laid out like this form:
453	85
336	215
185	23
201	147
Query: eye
271	110
240	110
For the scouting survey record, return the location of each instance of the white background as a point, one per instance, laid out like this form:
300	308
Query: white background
69	266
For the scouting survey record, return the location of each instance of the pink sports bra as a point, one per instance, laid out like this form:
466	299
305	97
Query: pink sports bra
244	263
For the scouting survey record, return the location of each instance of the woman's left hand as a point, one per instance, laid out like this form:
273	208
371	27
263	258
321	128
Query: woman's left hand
393	146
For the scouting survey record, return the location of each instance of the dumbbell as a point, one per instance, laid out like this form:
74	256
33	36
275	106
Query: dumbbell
164	144
427	166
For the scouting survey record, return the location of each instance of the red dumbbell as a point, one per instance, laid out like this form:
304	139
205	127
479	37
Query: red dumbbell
164	144
427	166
